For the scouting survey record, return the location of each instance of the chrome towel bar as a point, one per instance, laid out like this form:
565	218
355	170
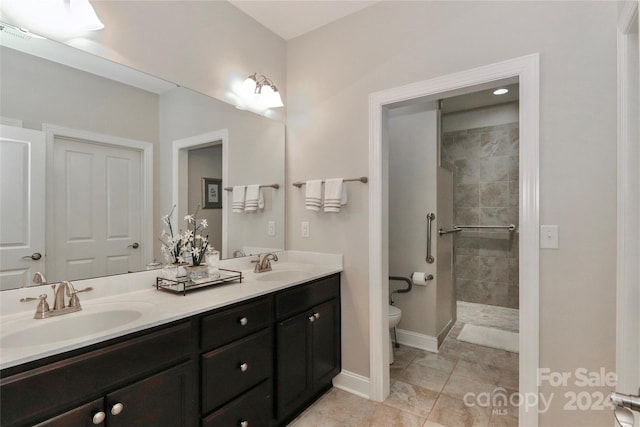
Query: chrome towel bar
457	228
276	186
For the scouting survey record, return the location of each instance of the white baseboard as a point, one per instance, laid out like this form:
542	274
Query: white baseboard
413	339
352	383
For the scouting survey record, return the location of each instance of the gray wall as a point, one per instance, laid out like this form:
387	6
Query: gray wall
484	162
396	43
38	91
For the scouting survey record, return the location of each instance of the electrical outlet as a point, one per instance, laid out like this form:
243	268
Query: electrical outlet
304	229
271	228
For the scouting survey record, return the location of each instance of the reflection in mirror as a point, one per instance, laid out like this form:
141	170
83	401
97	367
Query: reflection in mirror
93	202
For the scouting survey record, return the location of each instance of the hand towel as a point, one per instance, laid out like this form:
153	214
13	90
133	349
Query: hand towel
335	195
237	204
313	195
254	198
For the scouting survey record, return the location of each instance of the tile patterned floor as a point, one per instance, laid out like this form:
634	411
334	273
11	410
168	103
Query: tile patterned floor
428	389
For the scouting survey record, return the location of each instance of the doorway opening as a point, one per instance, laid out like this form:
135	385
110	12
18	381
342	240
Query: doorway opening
525	71
455	160
190	157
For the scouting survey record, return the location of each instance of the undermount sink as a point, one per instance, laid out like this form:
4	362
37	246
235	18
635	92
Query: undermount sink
282	275
72	326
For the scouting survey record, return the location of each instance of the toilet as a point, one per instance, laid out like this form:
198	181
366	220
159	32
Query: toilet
394	318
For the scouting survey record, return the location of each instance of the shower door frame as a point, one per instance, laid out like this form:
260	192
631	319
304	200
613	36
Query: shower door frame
527	70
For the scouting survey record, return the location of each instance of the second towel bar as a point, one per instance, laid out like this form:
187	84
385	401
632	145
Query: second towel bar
457	228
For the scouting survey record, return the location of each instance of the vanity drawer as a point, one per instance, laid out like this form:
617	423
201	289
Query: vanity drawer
40	391
302	297
234	368
253	407
229	325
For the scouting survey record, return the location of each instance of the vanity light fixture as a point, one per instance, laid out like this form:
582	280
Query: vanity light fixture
500	91
261	92
53	16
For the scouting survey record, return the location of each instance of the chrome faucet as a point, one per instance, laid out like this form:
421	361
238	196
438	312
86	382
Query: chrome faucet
58	298
263	263
43	311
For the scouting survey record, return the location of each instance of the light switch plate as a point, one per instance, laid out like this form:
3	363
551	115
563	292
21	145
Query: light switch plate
549	236
304	229
271	228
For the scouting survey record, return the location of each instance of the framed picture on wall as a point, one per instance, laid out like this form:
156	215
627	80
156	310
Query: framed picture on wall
211	193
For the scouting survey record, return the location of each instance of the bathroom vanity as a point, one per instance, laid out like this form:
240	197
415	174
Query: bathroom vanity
257	361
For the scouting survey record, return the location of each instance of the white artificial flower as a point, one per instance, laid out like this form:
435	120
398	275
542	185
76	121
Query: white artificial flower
204	223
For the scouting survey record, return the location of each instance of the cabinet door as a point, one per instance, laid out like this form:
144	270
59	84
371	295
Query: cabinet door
325	343
293	362
164	399
82	416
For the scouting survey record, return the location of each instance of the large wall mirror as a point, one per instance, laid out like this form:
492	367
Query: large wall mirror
94	154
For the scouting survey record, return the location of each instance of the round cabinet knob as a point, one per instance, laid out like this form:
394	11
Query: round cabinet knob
117	408
316	315
99	417
312	319
244	367
34	256
243	321
244	423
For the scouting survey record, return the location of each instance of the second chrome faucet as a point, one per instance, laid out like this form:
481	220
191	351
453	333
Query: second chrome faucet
263	263
63	289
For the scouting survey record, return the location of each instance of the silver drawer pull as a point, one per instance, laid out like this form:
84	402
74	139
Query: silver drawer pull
243	321
244	367
99	417
244	423
117	408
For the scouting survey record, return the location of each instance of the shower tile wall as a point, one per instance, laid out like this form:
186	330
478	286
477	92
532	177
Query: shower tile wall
484	162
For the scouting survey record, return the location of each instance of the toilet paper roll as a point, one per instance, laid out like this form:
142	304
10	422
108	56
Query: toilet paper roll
420	278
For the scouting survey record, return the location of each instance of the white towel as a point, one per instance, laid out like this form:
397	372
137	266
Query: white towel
335	195
254	198
313	195
237	205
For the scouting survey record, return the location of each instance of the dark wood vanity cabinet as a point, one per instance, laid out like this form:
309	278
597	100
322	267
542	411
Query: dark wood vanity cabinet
307	344
159	400
256	363
141	381
236	365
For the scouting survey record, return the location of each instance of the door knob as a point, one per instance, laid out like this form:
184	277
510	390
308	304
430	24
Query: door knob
135	245
35	256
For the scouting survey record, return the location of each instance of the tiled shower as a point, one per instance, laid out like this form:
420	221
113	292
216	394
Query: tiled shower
484	162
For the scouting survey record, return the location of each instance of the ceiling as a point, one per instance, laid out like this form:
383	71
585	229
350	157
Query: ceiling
290	19
479	99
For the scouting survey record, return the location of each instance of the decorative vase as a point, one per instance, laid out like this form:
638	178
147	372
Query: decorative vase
196	272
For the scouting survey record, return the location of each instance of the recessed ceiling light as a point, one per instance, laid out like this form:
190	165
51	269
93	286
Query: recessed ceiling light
500	91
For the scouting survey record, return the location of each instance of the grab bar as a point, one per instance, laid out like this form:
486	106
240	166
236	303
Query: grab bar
457	228
430	217
404	279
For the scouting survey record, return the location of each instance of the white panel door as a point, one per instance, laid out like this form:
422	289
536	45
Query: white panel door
22	205
96	210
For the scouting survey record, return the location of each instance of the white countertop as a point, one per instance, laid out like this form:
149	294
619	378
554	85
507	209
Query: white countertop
137	291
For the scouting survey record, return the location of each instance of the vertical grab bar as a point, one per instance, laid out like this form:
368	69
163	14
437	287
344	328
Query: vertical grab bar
430	217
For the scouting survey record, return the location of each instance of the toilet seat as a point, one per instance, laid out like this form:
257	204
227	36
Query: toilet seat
394	311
